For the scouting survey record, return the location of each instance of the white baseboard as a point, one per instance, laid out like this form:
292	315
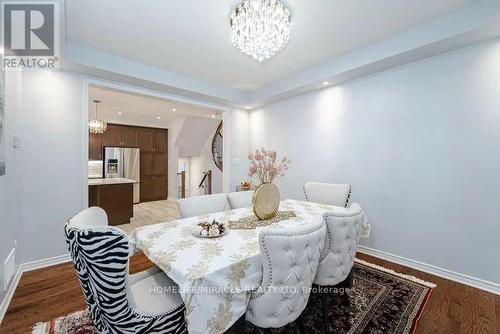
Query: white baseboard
25	267
441	272
10	292
51	261
434	270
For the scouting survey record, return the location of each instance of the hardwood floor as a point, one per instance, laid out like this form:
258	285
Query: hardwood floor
47	293
453	308
149	213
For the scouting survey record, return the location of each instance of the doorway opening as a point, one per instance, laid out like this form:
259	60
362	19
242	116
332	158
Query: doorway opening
148	152
203	174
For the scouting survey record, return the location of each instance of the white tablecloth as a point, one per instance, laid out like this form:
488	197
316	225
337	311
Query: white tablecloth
215	276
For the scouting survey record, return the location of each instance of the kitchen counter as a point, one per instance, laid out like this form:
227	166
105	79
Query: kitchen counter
115	196
106	181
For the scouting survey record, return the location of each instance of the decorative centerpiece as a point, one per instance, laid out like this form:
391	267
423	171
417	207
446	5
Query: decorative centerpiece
246	185
266	167
208	229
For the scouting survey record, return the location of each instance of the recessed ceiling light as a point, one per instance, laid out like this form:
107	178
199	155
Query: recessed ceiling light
213	115
158	117
173	109
119	113
325	83
247	107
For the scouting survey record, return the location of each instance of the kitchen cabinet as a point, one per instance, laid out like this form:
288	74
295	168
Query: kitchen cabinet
160	187
153	145
95	146
117	199
147	188
120	135
146	139
112	136
160	164
129	136
160	142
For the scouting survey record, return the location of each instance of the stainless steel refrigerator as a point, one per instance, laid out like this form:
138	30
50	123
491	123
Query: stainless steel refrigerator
123	162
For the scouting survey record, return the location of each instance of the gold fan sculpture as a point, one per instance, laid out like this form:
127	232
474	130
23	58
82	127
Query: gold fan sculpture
266	198
265	201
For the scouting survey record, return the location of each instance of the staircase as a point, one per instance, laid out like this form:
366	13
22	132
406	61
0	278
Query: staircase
217	147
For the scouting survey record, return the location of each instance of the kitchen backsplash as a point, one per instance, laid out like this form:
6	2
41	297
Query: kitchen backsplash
95	169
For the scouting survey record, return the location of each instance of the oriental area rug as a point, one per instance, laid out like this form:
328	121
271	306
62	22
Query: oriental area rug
381	301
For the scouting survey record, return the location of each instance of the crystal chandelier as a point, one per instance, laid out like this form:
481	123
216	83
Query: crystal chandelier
260	28
96	125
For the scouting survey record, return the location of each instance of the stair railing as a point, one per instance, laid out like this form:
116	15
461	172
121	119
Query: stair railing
182	184
217	147
205	185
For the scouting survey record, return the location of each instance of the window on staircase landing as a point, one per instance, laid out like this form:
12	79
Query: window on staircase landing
217	147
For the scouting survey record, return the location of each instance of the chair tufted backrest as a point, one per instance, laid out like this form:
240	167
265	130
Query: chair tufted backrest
290	258
100	256
343	230
328	193
240	199
202	205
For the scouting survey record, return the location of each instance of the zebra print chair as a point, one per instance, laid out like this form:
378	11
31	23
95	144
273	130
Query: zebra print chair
119	303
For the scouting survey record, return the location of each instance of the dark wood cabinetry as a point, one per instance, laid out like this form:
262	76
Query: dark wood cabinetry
160	164
146	139
120	135
112	136
95	147
153	145
116	199
129	136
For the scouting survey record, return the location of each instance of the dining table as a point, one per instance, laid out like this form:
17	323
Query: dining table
216	276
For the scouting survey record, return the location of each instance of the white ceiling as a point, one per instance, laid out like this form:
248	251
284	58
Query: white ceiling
142	110
191	37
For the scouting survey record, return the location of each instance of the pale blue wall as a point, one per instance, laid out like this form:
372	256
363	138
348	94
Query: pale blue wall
421	146
8	189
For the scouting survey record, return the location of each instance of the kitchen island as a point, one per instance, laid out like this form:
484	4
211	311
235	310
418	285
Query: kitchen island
115	196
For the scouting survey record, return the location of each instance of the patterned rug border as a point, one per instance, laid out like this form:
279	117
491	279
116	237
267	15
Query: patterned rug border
46	327
395	273
423	304
420	310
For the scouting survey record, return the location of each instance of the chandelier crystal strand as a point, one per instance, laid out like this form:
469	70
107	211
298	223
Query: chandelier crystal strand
96	125
260	28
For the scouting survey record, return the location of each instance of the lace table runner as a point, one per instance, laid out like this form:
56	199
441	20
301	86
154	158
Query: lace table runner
251	222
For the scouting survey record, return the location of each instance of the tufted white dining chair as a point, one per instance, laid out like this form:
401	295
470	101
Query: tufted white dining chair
328	193
289	258
202	205
145	302
240	199
343	231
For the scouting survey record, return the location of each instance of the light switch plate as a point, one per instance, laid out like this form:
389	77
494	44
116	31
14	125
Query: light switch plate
17	142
